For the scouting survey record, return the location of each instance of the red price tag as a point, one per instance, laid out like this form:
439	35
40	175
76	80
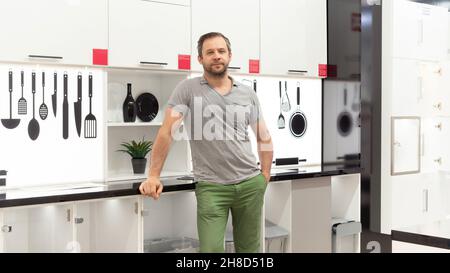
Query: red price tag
253	66
99	56
184	62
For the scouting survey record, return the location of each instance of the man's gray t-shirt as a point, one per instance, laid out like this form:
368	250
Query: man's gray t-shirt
217	126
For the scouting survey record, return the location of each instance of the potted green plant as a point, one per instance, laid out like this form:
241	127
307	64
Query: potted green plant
138	151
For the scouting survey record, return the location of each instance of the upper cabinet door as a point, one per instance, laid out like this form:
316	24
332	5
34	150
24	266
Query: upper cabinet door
148	34
240	25
293	37
62	31
420	31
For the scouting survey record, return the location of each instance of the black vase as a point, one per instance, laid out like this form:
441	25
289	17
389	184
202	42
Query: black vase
129	107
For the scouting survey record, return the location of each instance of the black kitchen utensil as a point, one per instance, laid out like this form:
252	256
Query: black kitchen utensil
33	126
10	123
65	107
43	110
285	102
281	120
147	107
22	104
298	122
345	119
254	85
77	105
90	122
55	88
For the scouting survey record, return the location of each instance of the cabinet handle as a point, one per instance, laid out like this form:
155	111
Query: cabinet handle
420	88
154	63
79	220
234	67
45	57
425	200
6	229
298	71
422	145
68	213
439	126
438	160
420	28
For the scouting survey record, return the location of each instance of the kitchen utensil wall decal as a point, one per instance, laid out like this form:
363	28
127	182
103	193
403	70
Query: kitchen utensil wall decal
33	126
10	123
90	122
345	119
22	103
281	120
298	122
77	104
43	110
65	107
286	103
54	97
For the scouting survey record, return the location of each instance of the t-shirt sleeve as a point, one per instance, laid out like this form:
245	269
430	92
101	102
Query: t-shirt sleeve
256	111
180	98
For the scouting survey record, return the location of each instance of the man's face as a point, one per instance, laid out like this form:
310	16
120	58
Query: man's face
215	56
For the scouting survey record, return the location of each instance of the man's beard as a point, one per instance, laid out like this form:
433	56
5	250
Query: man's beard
216	73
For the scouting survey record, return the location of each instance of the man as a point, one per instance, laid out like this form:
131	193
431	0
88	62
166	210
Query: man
224	166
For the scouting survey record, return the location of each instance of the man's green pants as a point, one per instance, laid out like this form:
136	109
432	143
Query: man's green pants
245	200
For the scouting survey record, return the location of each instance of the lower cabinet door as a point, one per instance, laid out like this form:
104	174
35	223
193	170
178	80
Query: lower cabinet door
170	223
46	228
110	225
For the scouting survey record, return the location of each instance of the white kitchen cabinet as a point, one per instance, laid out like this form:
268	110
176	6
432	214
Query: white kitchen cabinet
240	25
293	37
405	145
311	217
148	34
420	31
46	228
58	31
278	210
109	225
170	223
417	88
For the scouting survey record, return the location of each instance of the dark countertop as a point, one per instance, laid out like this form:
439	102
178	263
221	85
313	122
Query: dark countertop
435	234
96	190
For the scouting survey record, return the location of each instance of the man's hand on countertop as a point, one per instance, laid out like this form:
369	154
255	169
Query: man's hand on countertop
151	187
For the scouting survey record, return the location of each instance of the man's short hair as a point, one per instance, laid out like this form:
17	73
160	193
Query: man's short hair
210	35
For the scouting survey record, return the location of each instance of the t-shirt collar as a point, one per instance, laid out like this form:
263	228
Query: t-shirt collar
235	83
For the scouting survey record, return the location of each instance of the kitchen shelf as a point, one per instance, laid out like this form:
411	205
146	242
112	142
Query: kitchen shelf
135	124
131	176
